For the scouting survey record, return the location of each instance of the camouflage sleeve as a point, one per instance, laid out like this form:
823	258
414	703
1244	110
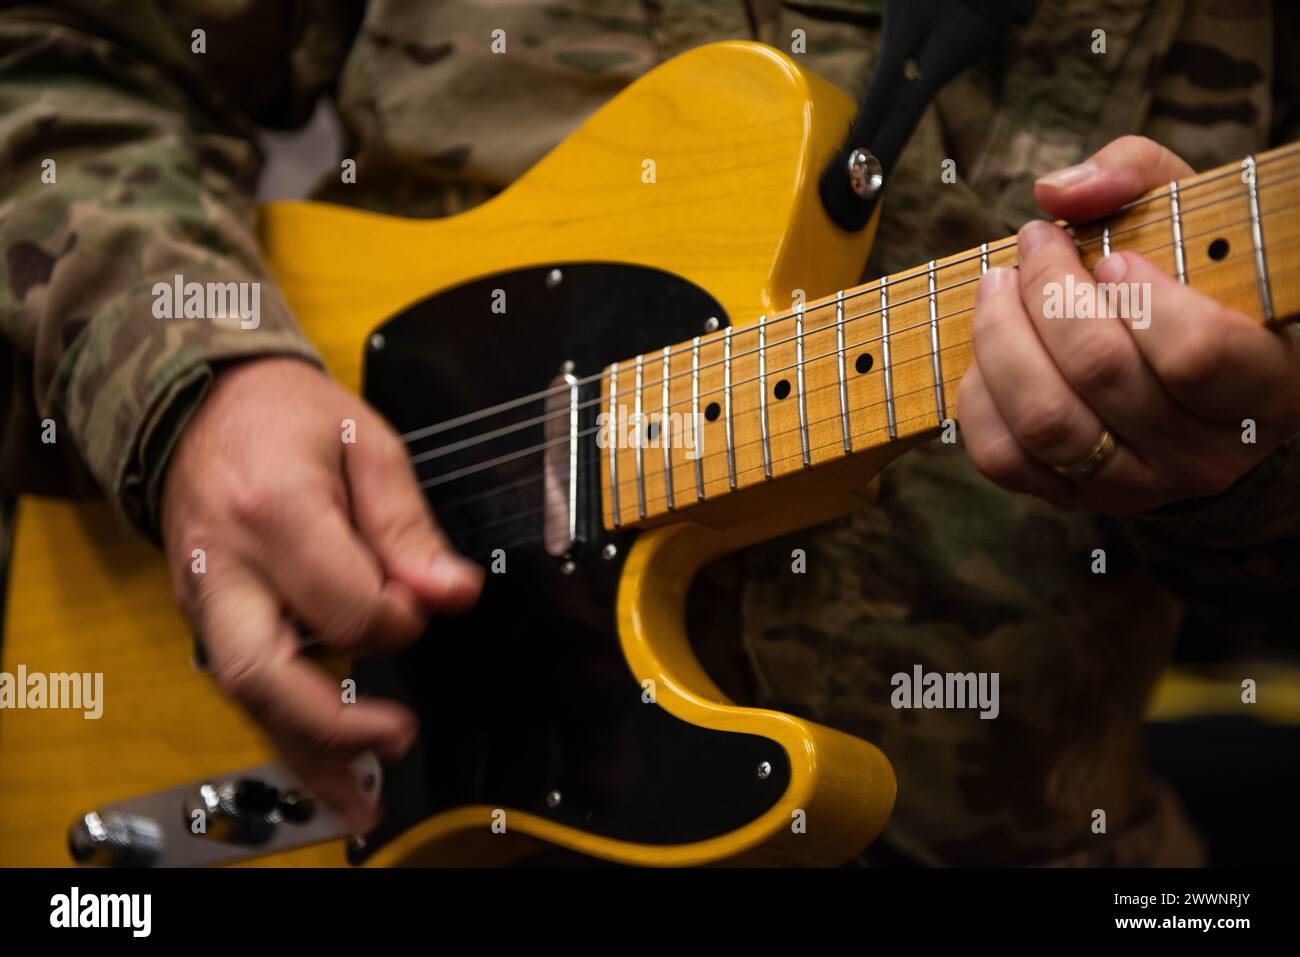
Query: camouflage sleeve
1235	557
118	186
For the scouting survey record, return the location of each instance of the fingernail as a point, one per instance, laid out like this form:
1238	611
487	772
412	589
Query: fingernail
1111	269
993	282
1034	234
453	568
1071	175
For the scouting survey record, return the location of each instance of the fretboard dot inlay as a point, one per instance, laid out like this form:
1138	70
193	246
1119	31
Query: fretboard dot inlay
864	362
1218	249
781	389
712	411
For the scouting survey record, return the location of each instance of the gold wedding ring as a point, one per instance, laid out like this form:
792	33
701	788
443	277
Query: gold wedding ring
1093	461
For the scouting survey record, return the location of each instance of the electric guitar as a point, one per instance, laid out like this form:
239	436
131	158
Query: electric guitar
605	380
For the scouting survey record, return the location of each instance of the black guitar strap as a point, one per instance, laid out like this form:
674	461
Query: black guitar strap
925	44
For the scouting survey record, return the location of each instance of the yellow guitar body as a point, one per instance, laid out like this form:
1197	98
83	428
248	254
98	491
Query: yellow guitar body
706	168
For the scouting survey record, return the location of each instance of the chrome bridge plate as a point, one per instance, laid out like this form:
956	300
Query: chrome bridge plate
191	826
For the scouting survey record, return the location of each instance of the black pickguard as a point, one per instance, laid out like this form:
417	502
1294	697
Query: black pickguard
529	696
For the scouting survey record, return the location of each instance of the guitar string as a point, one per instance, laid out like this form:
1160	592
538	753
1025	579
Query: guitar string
865	289
755	468
1281	154
893	333
716	339
688	464
746	409
797	455
654	359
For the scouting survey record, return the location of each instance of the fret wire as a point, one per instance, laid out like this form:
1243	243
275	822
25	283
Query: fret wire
875	405
984	258
726	385
839	300
1201	182
1081	244
870	406
1105	239
638	449
866	407
831	354
963	259
1180	262
442	479
695	419
665	434
1277	183
941	407
831	444
958	312
872	340
889	374
844	382
612	428
803	402
751	469
762	396
1257	238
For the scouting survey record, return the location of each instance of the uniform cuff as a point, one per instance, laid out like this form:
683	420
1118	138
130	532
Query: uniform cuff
136	377
1260	507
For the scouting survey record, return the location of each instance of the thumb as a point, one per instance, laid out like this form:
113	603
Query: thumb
393	517
1119	172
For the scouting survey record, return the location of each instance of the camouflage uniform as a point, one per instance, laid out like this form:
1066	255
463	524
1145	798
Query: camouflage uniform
156	167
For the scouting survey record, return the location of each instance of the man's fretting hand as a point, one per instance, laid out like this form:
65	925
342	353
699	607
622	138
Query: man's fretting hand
1174	393
298	526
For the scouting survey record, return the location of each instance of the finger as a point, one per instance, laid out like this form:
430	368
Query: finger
1217	362
1119	172
394	518
1047	418
995	451
333	583
254	655
336	781
1091	345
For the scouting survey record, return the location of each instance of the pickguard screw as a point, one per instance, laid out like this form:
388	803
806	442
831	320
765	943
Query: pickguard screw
609	552
711	324
377	341
358	843
554	278
568	367
568	568
553	799
764	770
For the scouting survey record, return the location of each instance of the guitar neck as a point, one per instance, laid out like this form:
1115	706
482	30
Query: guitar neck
879	364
